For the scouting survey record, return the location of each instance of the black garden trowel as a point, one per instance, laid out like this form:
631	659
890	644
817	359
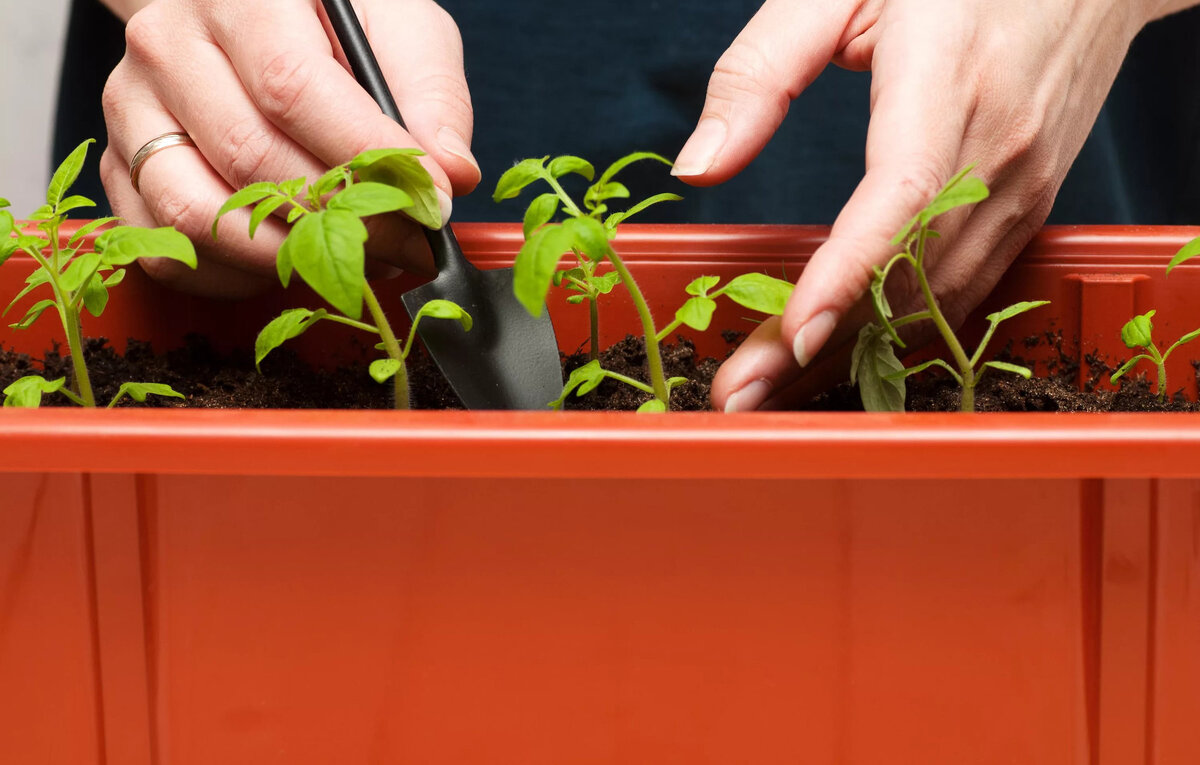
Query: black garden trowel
509	359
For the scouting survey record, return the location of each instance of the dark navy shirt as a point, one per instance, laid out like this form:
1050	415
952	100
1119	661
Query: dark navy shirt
632	76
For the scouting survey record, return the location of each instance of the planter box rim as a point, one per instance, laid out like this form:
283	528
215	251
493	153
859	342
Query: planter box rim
522	444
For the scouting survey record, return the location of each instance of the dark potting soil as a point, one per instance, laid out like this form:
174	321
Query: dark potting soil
1004	392
209	379
212	380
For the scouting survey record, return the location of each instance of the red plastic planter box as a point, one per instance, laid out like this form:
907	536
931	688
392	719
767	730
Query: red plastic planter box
463	587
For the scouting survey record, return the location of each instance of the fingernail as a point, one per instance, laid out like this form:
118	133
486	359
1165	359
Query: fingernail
701	149
749	398
812	336
446	205
452	142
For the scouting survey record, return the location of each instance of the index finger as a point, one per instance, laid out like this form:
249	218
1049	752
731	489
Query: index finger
913	144
298	84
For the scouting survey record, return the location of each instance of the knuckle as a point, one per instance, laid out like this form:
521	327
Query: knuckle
448	93
247	144
745	72
282	84
186	213
1021	140
146	35
920	182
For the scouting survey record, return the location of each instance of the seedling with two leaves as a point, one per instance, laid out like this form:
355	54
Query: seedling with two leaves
1138	332
325	248
79	280
587	232
874	367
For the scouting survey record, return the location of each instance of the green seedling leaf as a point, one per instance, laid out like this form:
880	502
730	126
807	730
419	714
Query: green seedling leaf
123	245
1128	365
540	211
1138	331
5	203
27	392
1186	253
95	294
326	249
444	309
958	191
263	210
535	265
701	285
74	203
697	313
1016	309
581	381
80	269
292	187
518	177
139	391
922	367
402	169
604	283
7	248
1004	366
35	311
599	192
88	228
560	166
675	382
32	282
327	183
576	299
653	406
115	278
758	292
294	214
367	198
382	370
620	217
45	212
252	194
873	365
66	174
291	323
628	160
570	276
589	237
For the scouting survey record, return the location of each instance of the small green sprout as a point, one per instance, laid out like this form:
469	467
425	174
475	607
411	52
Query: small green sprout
325	247
79	280
875	367
587	232
1138	333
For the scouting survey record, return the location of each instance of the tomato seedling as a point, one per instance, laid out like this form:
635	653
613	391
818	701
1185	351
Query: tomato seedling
325	247
79	280
588	232
1138	333
874	366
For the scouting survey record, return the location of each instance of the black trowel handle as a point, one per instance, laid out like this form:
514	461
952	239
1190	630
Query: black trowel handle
447	255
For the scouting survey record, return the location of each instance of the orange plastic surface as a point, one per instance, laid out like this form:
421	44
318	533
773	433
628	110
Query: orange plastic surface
315	587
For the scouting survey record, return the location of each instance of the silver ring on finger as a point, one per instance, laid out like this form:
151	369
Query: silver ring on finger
152	147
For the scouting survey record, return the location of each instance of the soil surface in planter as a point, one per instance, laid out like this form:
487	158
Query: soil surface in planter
210	379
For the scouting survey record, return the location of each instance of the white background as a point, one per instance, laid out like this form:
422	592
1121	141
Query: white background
31	41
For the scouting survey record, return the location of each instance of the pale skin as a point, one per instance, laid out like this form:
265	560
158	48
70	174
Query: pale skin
1013	86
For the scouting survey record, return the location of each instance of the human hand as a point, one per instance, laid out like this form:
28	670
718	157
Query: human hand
1014	86
264	91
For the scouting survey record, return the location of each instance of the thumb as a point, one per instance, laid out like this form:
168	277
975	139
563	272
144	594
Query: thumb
420	52
779	53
